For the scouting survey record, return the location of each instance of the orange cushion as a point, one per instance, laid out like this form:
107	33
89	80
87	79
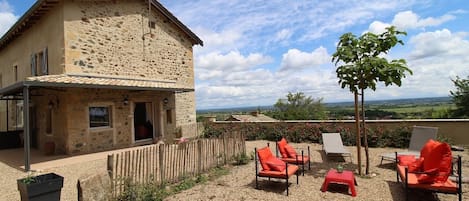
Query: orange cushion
282	174
264	155
429	145
276	164
406	160
290	151
428	176
440	158
416	166
301	160
281	147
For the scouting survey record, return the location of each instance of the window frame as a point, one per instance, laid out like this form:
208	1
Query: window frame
110	114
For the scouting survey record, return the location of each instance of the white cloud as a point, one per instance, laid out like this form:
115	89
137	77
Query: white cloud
439	43
283	34
378	27
296	59
410	20
233	61
7	17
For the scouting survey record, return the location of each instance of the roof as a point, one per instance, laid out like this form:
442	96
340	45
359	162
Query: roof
251	118
94	81
42	7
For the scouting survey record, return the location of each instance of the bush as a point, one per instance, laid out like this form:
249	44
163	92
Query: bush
240	159
155	192
379	136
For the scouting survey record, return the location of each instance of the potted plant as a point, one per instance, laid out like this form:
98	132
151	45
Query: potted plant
40	187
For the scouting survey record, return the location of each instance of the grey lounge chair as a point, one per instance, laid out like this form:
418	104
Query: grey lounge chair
420	135
332	145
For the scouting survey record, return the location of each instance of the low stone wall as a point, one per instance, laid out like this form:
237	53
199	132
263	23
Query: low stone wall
455	129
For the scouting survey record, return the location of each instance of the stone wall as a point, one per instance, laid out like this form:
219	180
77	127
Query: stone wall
114	38
47	32
185	114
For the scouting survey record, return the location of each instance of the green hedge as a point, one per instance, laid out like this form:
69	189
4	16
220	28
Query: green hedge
311	132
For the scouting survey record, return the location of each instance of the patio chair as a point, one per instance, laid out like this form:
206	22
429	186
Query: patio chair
431	171
420	135
273	167
289	155
333	146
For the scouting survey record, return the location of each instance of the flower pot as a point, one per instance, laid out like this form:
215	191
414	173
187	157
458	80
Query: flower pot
46	187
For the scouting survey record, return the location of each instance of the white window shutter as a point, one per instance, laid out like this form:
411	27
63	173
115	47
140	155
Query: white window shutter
45	67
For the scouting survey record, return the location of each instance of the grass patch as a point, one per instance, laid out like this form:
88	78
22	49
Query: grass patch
155	192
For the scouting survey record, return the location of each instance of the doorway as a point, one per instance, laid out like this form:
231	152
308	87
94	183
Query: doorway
143	121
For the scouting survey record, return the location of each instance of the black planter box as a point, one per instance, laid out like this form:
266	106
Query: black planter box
45	187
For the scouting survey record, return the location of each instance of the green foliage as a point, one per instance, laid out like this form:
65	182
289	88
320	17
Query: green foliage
211	132
363	65
155	192
461	96
241	159
29	179
298	107
378	136
142	192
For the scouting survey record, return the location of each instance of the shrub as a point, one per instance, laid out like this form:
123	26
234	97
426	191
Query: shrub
240	159
378	136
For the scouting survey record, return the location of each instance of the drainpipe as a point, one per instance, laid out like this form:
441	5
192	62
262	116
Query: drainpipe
26	130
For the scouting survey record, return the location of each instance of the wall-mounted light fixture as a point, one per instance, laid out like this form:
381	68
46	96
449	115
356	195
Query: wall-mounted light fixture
125	101
53	101
165	101
50	105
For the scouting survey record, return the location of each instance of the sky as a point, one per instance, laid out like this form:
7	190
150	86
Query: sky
257	51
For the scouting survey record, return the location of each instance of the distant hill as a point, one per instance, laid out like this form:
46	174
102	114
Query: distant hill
431	100
422	101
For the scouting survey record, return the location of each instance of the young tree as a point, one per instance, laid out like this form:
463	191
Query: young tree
299	107
461	96
362	66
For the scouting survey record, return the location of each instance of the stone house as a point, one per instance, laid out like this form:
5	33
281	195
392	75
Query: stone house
83	76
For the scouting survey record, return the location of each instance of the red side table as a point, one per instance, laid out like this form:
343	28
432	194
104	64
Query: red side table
346	177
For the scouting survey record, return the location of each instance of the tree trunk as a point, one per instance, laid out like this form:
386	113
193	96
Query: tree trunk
365	137
357	125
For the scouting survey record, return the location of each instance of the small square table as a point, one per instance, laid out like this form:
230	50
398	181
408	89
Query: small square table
346	177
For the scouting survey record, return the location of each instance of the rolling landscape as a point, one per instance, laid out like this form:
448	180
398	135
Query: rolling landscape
432	107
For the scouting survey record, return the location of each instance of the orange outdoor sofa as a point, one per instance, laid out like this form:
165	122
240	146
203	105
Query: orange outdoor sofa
431	170
273	167
289	155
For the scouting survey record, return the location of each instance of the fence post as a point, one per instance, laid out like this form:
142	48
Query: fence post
110	171
161	159
199	154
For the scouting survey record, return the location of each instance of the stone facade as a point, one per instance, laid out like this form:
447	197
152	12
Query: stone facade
122	39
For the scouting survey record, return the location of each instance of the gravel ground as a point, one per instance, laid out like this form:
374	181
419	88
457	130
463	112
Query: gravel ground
240	183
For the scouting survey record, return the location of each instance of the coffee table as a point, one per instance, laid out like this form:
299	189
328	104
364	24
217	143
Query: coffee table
346	177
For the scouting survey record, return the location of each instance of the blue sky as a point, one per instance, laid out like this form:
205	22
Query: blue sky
257	51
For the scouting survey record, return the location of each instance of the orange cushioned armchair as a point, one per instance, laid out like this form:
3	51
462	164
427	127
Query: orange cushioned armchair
431	170
273	167
289	155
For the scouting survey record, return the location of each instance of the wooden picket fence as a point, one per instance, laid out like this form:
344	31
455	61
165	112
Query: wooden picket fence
168	163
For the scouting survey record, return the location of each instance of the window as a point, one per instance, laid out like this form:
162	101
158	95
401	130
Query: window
39	63
100	116
152	24
19	114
